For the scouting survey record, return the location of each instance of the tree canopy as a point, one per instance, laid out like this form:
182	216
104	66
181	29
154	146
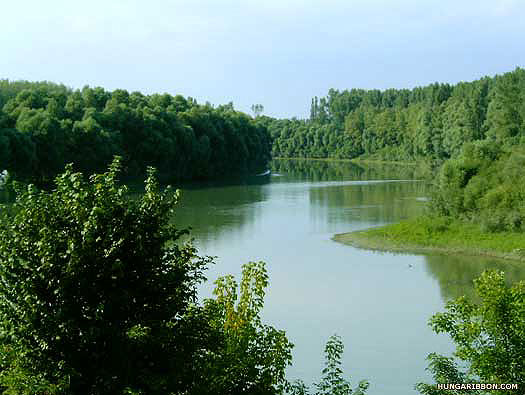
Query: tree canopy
489	338
43	126
431	122
98	296
475	129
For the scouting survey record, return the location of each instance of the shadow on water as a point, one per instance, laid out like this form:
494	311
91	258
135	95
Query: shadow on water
455	274
379	303
374	202
319	170
219	211
338	193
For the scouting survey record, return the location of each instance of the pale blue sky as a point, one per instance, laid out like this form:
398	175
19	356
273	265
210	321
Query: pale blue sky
277	53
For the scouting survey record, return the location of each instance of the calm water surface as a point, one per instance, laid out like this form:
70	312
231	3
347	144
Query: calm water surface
379	303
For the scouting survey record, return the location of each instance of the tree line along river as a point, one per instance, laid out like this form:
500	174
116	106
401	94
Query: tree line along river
379	303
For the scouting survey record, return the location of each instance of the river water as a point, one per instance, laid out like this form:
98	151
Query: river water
379	303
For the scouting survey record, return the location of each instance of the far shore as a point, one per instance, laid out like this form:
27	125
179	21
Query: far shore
425	235
353	160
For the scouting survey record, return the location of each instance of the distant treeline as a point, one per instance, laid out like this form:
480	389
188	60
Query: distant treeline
476	128
43	126
402	124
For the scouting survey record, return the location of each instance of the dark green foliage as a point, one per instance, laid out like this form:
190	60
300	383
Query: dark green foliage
92	294
332	381
98	296
477	128
182	139
484	184
489	337
431	122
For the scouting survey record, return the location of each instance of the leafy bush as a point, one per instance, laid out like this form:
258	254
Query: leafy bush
484	185
332	382
489	337
251	357
98	296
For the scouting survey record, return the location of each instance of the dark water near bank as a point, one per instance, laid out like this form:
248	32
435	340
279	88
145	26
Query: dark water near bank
379	303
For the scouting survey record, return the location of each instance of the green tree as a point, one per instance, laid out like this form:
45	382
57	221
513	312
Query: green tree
98	296
180	138
45	131
489	336
257	109
332	381
252	357
95	287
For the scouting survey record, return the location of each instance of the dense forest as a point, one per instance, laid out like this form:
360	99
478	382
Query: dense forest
43	126
476	129
98	295
91	275
402	124
476	133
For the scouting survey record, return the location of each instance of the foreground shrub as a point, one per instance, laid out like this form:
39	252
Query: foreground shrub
332	381
251	357
98	296
489	337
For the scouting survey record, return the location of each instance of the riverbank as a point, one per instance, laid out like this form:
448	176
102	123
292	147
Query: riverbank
355	160
424	235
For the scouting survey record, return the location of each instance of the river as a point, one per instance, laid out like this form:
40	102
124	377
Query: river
379	303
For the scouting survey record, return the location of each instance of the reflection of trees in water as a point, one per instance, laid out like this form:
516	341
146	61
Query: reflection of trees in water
318	170
374	202
215	207
226	208
455	274
213	211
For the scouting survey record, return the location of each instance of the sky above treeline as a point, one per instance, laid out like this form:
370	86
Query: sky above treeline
279	53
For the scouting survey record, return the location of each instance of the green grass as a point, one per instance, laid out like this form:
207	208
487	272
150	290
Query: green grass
438	235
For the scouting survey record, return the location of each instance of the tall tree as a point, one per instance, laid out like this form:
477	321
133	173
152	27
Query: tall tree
257	109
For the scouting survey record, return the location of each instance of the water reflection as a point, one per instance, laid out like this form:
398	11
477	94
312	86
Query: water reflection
379	303
370	202
318	170
220	212
455	274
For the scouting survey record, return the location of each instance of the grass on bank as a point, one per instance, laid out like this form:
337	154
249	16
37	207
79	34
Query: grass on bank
438	235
